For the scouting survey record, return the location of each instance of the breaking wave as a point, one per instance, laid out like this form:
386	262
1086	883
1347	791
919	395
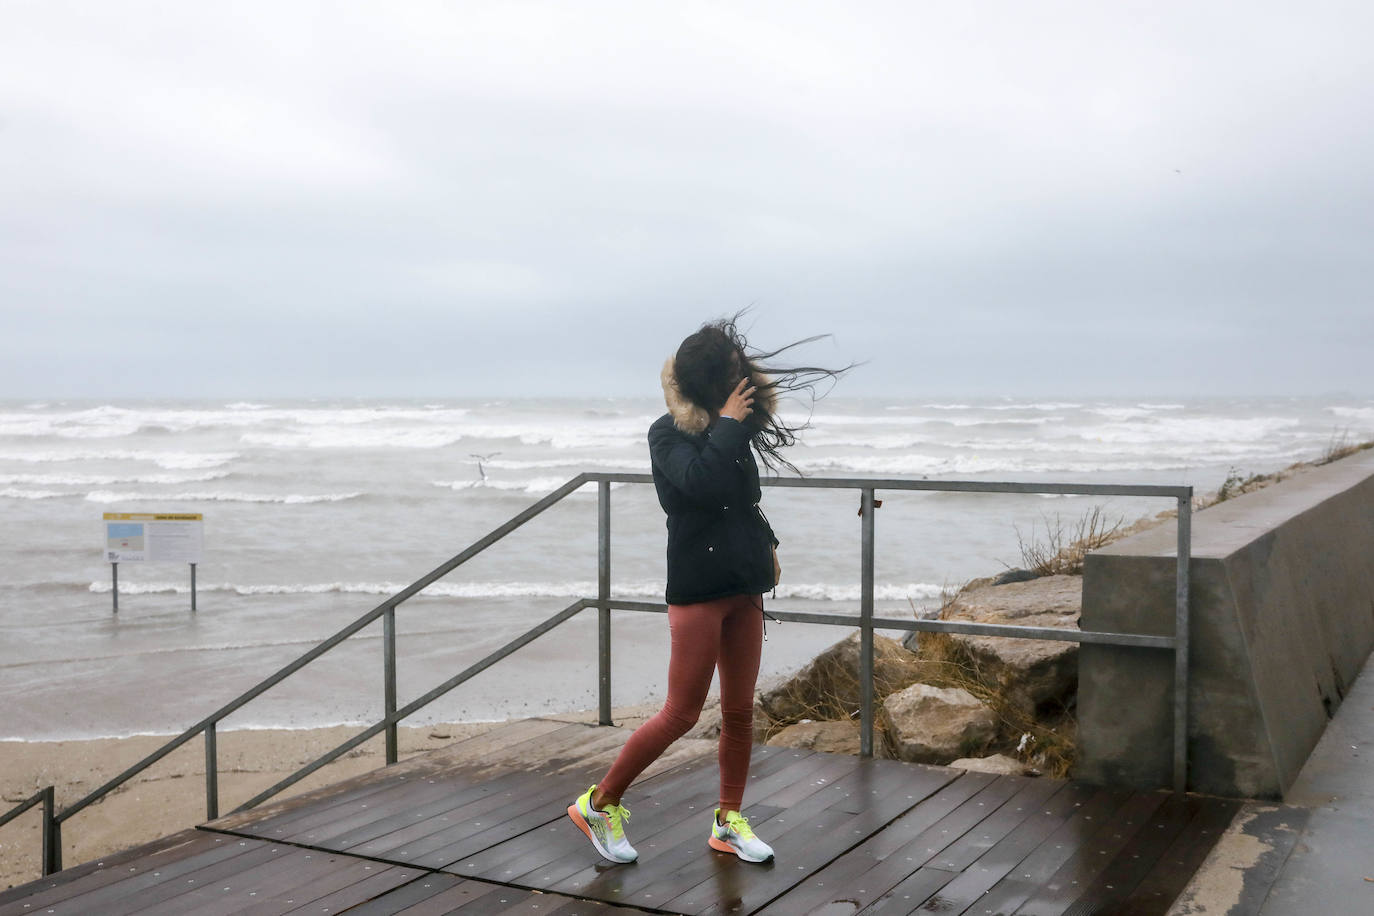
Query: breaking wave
290	499
649	589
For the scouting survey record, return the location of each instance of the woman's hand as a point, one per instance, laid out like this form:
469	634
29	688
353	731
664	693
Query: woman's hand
740	404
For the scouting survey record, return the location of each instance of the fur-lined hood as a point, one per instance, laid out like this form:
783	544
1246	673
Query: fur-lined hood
692	418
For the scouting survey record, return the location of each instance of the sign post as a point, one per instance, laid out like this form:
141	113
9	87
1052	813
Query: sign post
163	537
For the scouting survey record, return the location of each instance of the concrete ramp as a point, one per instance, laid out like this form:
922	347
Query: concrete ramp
1282	620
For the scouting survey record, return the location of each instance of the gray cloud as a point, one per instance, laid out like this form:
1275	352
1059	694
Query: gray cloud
524	197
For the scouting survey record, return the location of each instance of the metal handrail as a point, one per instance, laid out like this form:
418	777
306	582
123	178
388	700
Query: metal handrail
46	797
605	604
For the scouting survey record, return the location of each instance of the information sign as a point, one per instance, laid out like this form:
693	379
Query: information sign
153	537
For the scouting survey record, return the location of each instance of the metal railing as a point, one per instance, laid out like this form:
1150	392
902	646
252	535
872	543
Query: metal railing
605	603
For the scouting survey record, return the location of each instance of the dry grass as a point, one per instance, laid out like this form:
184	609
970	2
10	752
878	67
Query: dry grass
840	698
1059	550
1236	485
1340	447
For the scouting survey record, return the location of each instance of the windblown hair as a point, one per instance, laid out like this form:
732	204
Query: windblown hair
711	362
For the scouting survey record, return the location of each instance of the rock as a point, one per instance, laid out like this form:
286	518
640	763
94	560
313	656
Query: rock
1015	575
926	724
840	737
828	687
999	764
1031	673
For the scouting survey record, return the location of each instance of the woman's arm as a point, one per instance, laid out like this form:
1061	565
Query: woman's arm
708	475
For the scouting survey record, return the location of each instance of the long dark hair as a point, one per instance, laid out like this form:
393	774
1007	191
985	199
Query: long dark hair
710	363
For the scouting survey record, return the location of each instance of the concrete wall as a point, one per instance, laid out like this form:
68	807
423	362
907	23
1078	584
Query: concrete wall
1282	619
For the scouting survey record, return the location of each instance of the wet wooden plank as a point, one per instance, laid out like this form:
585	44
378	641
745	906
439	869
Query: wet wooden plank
682	860
1176	865
459	841
588	908
1136	859
348	895
469	897
384	817
300	813
575	862
404	793
107	869
911	893
1093	856
409	897
814	834
876	865
478	749
154	887
1037	867
1028	800
1052	814
679	839
652	882
300	879
557	837
976	878
127	872
544	904
878	836
414	825
442	832
844	813
484	904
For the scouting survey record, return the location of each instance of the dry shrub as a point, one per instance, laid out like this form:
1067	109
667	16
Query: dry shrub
1060	550
839	695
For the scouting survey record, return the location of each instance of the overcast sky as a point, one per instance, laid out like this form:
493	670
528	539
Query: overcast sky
457	199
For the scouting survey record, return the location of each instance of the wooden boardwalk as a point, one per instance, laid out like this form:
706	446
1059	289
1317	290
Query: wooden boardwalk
465	831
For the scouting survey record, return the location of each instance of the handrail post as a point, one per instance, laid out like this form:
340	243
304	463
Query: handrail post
211	774
389	679
866	628
1181	632
603	595
52	835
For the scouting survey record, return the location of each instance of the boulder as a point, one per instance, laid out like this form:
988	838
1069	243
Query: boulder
1031	673
839	737
926	724
828	687
998	764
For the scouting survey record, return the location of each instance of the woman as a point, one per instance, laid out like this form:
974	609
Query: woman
722	399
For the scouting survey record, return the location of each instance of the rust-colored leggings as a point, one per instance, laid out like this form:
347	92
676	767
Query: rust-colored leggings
726	633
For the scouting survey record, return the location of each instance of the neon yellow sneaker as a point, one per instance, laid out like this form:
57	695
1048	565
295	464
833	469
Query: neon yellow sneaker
736	836
606	829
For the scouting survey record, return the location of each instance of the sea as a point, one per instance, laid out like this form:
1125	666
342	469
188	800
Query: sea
314	511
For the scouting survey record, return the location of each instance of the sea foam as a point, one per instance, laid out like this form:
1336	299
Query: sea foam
587	588
110	496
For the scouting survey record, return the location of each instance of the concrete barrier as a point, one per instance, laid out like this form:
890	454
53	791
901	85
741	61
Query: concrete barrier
1282	618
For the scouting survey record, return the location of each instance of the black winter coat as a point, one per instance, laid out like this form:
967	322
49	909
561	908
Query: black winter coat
719	543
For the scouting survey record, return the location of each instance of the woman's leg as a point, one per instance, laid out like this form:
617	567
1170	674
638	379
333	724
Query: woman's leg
741	644
696	636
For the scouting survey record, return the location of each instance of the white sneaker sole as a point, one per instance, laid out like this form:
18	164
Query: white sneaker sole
582	825
720	845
